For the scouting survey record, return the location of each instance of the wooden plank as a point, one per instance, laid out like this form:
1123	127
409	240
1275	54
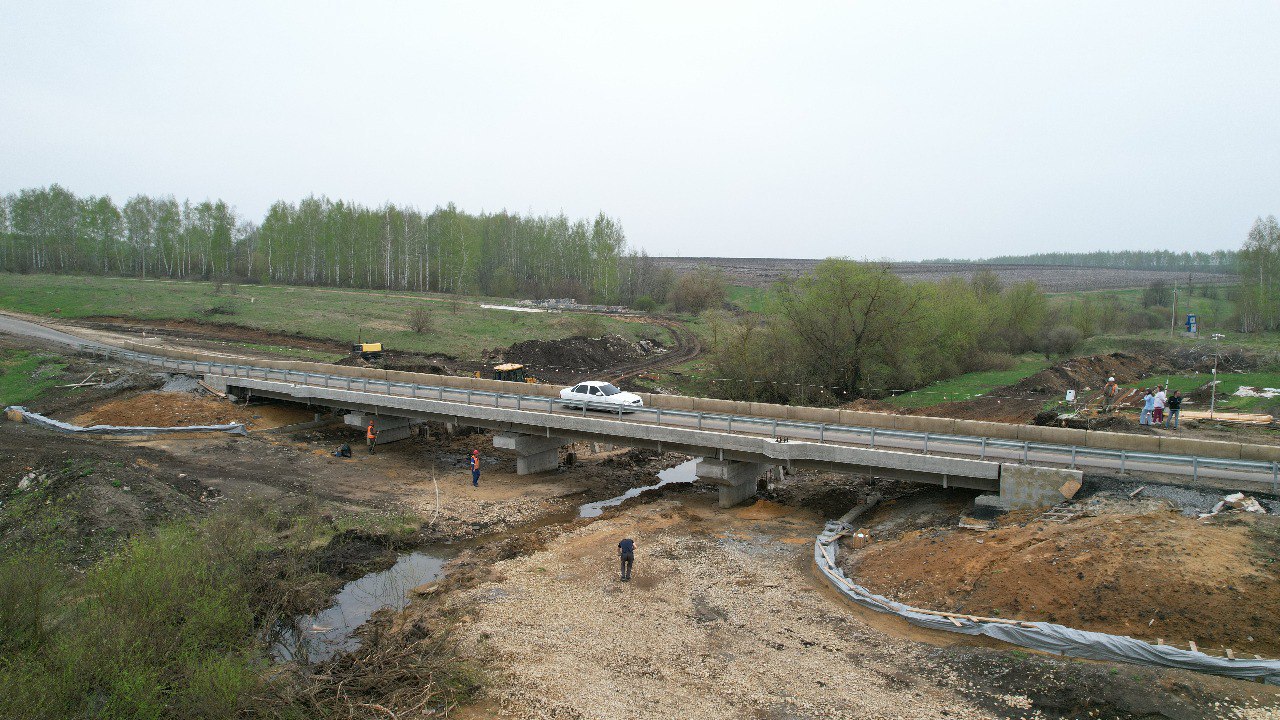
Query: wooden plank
202	384
1135	493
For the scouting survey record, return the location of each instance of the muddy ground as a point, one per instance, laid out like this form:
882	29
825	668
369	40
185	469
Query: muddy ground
724	617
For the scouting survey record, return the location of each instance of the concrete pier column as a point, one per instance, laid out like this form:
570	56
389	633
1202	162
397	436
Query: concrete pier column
534	453
737	480
388	427
1027	486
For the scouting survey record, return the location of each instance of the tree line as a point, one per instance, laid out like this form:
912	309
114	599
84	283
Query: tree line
318	241
856	329
1216	261
1258	295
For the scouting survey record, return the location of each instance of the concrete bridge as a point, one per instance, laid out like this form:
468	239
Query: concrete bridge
535	429
1020	465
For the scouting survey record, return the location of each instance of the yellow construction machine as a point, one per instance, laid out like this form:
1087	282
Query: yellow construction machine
368	352
512	372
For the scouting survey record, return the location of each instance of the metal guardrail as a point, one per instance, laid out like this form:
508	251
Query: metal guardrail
1070	455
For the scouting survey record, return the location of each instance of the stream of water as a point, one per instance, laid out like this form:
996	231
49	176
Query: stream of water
318	637
682	473
314	638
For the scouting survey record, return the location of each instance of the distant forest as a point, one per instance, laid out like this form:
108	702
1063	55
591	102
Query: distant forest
1223	261
319	241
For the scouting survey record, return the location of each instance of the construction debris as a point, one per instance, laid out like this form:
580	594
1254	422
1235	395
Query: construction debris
1243	418
1236	501
1060	513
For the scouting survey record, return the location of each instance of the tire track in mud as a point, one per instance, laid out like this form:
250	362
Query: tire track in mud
687	347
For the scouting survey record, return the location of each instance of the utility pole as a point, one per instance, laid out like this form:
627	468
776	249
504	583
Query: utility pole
1173	320
1213	392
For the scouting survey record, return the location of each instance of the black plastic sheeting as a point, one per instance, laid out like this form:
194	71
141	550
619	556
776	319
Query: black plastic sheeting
50	423
1039	635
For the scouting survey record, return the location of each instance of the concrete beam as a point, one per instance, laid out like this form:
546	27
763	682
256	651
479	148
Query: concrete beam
1025	486
388	427
737	480
534	453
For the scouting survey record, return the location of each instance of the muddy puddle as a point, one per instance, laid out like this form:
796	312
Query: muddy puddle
682	473
315	638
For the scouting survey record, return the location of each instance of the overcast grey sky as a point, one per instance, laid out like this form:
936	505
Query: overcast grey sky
903	130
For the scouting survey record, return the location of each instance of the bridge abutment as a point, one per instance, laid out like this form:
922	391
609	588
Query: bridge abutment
1027	486
534	453
737	480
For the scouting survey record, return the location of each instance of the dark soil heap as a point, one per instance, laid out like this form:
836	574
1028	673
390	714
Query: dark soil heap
576	353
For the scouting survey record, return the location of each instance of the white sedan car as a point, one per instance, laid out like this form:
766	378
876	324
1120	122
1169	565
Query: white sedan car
598	395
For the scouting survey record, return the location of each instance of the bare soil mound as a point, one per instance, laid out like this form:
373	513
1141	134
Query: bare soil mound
165	409
197	330
1150	575
577	353
399	360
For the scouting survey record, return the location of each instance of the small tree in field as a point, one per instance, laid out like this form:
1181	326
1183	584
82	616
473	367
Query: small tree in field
420	320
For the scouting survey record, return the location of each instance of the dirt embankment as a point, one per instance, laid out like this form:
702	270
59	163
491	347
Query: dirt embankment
1136	569
165	409
198	330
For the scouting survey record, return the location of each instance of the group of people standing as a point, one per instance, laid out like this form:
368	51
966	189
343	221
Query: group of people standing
1154	404
1158	408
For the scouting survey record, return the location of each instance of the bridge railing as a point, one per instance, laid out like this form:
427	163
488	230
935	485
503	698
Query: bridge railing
778	429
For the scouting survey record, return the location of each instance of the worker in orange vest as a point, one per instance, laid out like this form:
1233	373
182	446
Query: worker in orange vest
475	468
371	435
1109	394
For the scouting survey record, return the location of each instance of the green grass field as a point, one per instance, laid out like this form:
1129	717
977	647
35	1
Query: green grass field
25	375
1229	383
461	327
971	385
751	299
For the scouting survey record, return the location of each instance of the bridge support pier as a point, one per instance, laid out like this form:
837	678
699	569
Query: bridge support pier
534	454
1025	486
737	480
389	428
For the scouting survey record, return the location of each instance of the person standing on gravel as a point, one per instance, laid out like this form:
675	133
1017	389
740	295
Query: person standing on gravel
1175	409
370	434
627	557
475	468
1148	405
1161	399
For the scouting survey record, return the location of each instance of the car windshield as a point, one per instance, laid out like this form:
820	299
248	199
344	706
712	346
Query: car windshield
608	389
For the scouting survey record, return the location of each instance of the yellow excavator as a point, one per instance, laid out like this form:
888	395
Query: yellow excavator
512	372
368	352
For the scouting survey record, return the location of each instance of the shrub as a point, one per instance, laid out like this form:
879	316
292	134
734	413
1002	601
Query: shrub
1061	341
644	303
421	320
696	291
